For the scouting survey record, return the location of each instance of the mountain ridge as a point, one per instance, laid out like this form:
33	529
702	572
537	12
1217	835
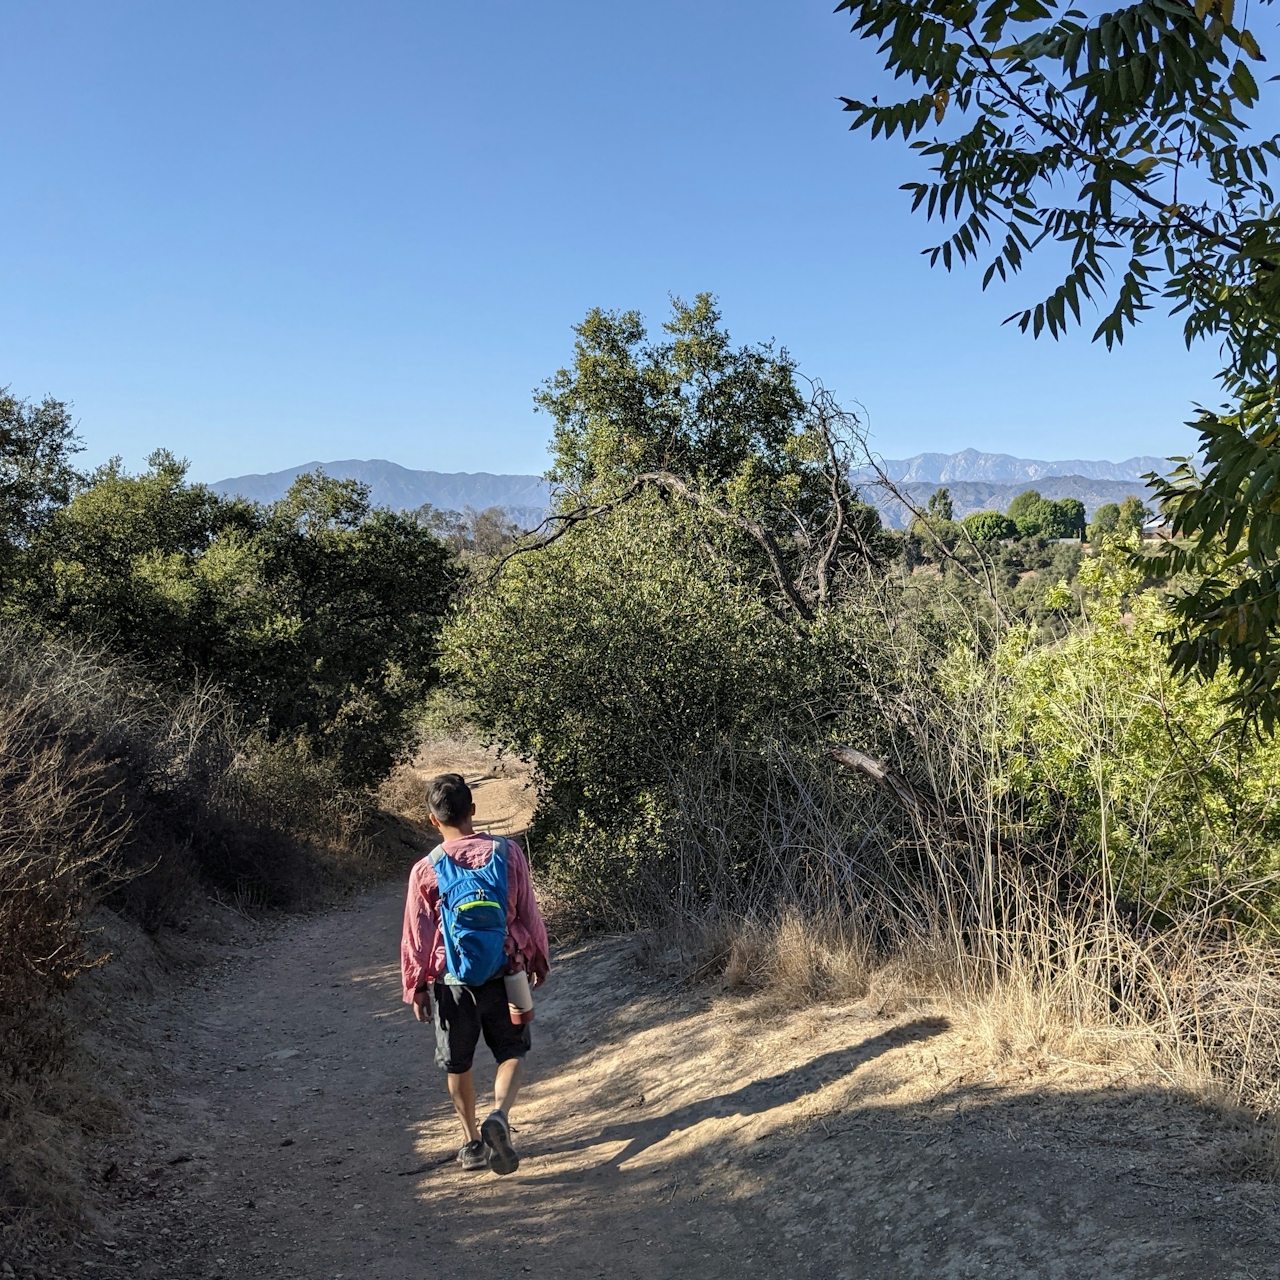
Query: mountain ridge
523	498
1004	468
976	481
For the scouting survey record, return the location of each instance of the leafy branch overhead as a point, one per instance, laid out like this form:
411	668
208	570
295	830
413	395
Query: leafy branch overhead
1122	139
1117	137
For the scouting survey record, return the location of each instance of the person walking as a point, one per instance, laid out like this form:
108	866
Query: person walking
470	919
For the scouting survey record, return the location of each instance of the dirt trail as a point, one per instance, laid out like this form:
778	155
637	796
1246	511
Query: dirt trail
292	1125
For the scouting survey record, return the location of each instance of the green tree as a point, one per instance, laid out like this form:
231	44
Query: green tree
721	428
337	641
940	507
1132	515
1105	520
1029	511
37	443
1070	517
1115	135
121	562
989	526
317	615
1040	517
629	657
1093	744
1122	137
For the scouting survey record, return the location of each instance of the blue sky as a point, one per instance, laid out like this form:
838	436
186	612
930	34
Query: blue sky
260	234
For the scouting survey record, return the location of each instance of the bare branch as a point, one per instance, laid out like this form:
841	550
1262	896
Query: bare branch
672	484
924	808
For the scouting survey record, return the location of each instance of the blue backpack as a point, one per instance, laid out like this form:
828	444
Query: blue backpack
473	914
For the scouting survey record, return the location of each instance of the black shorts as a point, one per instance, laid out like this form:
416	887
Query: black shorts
462	1013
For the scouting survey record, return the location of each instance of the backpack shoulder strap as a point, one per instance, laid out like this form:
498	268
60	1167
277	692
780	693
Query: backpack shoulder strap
437	854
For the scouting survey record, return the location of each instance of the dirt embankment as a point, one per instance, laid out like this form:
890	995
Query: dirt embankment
289	1123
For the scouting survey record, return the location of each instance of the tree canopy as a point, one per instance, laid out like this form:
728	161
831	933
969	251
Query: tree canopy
725	429
1122	138
317	614
989	526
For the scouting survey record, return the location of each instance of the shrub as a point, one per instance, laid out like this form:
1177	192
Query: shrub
1096	745
618	659
316	616
989	526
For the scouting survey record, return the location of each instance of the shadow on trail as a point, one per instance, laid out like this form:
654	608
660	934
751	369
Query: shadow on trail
752	1099
1036	1185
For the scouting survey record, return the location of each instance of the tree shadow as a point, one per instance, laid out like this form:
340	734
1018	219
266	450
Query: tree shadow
754	1098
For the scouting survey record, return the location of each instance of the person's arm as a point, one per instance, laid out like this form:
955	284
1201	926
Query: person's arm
417	944
526	923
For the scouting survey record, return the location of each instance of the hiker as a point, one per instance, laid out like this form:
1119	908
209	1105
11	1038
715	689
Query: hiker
469	920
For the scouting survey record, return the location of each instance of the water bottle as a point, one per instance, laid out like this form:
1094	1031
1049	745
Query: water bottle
519	998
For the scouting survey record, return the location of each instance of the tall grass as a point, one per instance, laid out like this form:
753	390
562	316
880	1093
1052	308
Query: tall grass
852	899
1054	857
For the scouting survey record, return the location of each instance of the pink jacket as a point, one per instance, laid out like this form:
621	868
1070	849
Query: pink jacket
422	943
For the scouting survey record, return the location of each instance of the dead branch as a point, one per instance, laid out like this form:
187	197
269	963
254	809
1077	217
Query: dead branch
922	807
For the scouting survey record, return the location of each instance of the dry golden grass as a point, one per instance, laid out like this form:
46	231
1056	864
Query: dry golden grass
1199	1017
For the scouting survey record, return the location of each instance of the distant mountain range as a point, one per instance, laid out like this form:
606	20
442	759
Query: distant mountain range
1001	468
523	498
976	482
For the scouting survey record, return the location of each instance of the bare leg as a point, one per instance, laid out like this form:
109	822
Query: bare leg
463	1092
506	1084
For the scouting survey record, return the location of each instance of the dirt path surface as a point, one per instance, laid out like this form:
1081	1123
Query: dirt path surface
289	1123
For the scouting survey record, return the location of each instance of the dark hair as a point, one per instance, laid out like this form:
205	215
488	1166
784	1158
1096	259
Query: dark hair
449	798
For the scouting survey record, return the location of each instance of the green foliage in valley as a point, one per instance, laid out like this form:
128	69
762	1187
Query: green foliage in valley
989	526
1124	518
1037	517
1123	139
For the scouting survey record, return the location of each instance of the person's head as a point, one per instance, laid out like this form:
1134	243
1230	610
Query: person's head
450	801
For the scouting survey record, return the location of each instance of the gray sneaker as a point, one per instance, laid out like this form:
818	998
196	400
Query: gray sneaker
497	1137
473	1156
